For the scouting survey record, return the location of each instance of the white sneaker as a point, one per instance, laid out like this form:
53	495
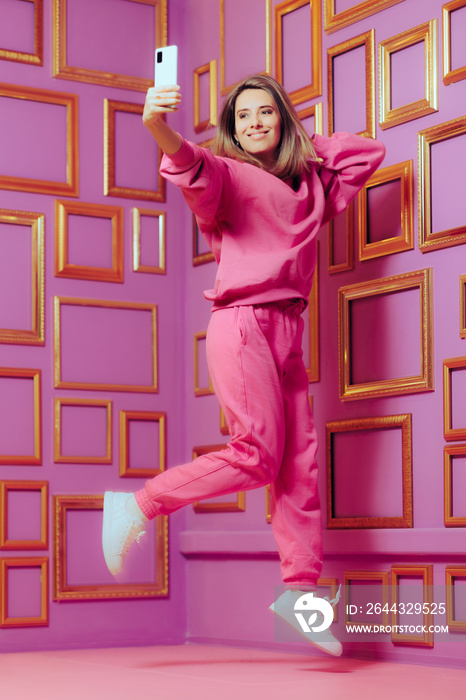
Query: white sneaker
284	607
119	531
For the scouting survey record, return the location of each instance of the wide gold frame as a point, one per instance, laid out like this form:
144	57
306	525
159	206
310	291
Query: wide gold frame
36	58
347	264
42	487
451	433
35	336
449	452
236	506
428	240
450	75
396	244
313	371
426	572
70	188
421	279
35	375
87	75
211	69
160	269
199	258
98	386
126	470
41	620
452	573
368	41
384	578
333	21
402	421
314	89
60	458
463	306
200	390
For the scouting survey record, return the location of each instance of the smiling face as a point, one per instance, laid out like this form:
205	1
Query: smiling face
258	125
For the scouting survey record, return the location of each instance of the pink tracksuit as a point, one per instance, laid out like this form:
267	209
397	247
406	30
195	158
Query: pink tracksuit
263	235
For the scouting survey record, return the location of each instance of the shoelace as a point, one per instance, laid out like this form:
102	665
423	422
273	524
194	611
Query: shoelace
133	532
335	600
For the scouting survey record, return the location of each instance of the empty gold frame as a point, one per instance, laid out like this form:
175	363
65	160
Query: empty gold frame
334	20
58	456
126	470
313	371
449	453
41	563
209	506
449	366
395	244
348	262
382	577
31	544
211	69
63	591
36	58
424	572
36	335
314	89
451	574
159	269
61	69
63	267
198	389
402	422
35	375
428	239
199	258
69	188
463	306
368	41
424	381
316	111
450	75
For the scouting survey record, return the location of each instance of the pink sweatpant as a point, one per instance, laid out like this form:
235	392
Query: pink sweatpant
255	363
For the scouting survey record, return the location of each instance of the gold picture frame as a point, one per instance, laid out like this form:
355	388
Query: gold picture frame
236	506
424	381
161	268
60	458
450	366
382	577
37	57
426	639
463	306
333	20
42	542
199	258
35	375
160	417
451	574
41	563
316	111
211	69
198	389
449	452
402	422
348	263
450	75
313	371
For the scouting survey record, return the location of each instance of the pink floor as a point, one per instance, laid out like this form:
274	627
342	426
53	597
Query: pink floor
216	673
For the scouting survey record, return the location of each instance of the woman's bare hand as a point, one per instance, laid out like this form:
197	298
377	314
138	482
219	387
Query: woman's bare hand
160	101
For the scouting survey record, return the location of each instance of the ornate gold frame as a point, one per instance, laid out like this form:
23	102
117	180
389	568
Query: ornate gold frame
24	562
156	417
402	421
333	21
36	58
451	573
450	75
397	244
421	279
161	216
200	390
58	457
42	487
35	375
211	69
313	371
36	336
384	578
449	432
449	452
237	506
426	572
199	258
349	262
463	306
314	89
389	117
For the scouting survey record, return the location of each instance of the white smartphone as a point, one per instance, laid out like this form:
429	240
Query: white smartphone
166	61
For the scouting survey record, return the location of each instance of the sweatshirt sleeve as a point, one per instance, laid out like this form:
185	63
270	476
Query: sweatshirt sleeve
348	161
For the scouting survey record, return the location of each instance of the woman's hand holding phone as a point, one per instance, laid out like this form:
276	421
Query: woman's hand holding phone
159	101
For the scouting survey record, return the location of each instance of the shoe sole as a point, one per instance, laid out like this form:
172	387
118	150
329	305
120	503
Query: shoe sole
303	634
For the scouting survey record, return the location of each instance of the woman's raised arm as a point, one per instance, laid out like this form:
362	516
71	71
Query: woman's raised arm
159	101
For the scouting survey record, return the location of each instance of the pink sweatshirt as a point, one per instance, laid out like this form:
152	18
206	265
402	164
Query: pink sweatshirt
261	231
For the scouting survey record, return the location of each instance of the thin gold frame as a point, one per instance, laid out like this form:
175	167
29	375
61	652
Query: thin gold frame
333	21
348	264
41	620
42	487
36	336
200	390
156	417
449	432
396	244
368	41
449	452
35	375
88	75
64	592
98	386
463	306
238	506
211	69
36	58
313	371
389	117
421	279
402	421
199	258
450	75
60	458
384	578
426	571
160	269
316	111
314	89
451	573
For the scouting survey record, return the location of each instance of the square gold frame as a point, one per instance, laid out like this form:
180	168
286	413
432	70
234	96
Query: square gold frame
348	264
449	452
333	21
422	280
396	244
88	75
314	89
69	188
368	41
313	371
410	570
35	375
41	620
449	365
42	487
36	58
211	69
63	268
463	306
389	117
199	258
62	591
402	421
156	417
200	390
428	240
450	75
384	578
110	186
237	506
452	573
60	458
36	336
161	269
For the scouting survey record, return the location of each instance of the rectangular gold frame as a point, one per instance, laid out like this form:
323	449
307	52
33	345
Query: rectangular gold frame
421	279
402	421
36	58
428	240
426	571
71	301
157	417
333	21
87	75
58	457
449	432
110	187
36	336
368	41
313	371
70	188
35	375
397	244
161	216
463	306
41	620
451	573
42	487
384	578
237	506
200	390
314	89
389	117
316	111
449	452
101	274
211	69
348	264
449	75
199	258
